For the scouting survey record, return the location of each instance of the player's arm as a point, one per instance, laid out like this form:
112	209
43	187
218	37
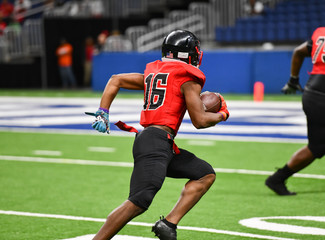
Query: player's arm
298	56
132	81
200	119
128	81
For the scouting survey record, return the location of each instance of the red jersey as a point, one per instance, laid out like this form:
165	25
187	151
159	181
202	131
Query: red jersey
318	51
164	103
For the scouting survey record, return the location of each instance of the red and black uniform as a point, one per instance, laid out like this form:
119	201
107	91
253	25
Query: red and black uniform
314	95
164	104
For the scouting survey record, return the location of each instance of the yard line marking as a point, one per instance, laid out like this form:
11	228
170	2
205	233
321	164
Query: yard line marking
198	229
101	149
129	164
259	172
116	237
65	161
179	135
47	152
260	223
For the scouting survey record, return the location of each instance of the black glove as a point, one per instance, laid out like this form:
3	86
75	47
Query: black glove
292	86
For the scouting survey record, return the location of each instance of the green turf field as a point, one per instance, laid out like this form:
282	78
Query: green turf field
59	184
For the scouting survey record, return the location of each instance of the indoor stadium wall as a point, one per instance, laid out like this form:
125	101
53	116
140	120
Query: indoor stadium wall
226	71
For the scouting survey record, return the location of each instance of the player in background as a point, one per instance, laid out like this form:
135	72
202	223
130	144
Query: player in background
171	86
313	101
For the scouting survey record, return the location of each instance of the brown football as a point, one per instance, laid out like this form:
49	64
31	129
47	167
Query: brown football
211	101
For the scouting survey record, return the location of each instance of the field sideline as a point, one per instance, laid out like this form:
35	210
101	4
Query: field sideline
62	186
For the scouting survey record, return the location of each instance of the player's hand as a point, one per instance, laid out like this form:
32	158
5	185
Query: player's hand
101	124
224	110
292	86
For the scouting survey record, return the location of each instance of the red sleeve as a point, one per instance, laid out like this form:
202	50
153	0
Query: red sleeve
193	74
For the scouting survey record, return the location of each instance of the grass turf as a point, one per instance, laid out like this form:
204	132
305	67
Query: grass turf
93	191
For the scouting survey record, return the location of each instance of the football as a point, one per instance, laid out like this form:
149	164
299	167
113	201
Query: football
211	101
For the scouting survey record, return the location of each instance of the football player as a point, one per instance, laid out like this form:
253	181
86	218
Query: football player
171	86
313	101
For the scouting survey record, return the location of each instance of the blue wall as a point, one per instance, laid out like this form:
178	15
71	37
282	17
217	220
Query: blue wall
226	71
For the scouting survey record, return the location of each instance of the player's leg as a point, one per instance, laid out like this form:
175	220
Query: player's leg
149	172
64	78
152	153
185	165
299	160
71	77
117	219
190	195
313	105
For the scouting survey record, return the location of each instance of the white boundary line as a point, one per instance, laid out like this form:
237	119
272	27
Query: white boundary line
179	136
262	224
129	164
65	161
210	230
116	237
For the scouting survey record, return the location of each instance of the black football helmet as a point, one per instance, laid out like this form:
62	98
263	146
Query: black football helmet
182	45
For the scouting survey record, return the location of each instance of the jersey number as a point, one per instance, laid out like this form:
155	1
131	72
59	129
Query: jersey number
155	91
320	49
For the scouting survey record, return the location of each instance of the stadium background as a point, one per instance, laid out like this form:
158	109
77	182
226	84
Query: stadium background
240	47
51	173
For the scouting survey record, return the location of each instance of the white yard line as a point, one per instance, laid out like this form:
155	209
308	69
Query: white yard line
116	237
198	229
129	164
47	152
262	223
179	136
65	161
101	149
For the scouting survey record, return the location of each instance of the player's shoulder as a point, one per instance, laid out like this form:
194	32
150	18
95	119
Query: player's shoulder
319	31
185	68
154	64
192	70
180	67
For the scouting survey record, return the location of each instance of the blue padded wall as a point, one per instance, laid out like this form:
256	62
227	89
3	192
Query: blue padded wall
226	71
107	64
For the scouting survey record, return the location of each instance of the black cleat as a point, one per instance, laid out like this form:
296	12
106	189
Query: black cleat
164	232
278	186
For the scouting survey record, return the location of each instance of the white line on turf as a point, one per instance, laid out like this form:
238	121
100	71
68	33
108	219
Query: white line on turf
210	230
195	136
117	237
65	161
101	149
260	223
129	164
47	152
